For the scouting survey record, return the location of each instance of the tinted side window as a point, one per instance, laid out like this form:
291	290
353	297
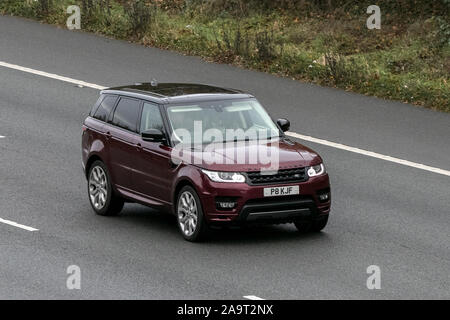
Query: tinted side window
105	108
151	118
126	114
94	108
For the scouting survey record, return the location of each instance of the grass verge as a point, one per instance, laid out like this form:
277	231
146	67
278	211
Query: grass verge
324	42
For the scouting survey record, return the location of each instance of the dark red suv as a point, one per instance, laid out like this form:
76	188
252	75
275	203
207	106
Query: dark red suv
211	156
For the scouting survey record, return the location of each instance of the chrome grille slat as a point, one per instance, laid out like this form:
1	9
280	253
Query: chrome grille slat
281	176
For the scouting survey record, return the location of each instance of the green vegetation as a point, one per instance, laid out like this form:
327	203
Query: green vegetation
321	41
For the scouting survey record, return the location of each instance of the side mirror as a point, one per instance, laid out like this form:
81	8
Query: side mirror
153	135
284	124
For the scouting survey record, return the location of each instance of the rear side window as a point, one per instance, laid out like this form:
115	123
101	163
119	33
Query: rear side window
126	114
94	108
104	109
151	118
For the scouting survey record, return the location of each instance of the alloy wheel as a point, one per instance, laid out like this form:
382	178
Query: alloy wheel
98	192
187	213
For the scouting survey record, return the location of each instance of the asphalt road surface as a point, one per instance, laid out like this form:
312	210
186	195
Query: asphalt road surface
386	214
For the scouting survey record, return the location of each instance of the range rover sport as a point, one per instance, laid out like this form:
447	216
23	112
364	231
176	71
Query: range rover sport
141	143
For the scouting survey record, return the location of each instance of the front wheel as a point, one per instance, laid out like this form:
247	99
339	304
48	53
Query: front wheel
101	195
319	224
314	226
190	217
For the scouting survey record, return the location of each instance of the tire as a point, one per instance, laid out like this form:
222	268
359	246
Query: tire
303	226
190	219
319	224
312	226
100	192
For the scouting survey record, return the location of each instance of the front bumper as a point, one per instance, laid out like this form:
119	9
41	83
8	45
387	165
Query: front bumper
252	207
284	210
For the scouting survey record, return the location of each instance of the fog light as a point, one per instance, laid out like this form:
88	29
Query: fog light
324	197
226	205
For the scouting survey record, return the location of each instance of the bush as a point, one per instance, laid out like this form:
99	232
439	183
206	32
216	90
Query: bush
140	15
265	46
44	7
443	33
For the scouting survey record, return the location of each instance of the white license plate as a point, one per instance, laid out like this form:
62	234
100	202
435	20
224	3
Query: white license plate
281	191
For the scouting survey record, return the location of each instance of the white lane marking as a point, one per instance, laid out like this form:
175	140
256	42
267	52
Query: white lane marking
253	298
292	134
51	75
2	137
17	225
370	154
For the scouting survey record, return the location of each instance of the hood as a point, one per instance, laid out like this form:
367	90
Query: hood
247	156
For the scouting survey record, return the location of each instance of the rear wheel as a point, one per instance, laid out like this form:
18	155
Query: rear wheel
190	217
101	195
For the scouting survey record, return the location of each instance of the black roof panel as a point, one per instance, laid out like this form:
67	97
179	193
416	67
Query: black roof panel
178	92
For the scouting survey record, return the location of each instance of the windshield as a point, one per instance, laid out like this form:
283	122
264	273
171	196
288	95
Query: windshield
221	121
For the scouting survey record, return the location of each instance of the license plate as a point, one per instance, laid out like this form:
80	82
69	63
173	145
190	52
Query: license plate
281	191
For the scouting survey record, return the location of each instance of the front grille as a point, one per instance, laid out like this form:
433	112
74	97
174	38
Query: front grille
280	176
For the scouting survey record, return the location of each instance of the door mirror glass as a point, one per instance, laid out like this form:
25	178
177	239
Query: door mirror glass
284	124
153	135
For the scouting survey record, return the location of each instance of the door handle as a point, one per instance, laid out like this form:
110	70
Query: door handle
138	146
108	135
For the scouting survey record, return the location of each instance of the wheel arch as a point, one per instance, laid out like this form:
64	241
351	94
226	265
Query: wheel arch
89	163
180	185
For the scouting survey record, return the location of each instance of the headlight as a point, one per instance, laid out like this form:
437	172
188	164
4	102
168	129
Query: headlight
316	170
224	176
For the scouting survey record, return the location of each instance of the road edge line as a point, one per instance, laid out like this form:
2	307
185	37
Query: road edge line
17	225
291	134
370	154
